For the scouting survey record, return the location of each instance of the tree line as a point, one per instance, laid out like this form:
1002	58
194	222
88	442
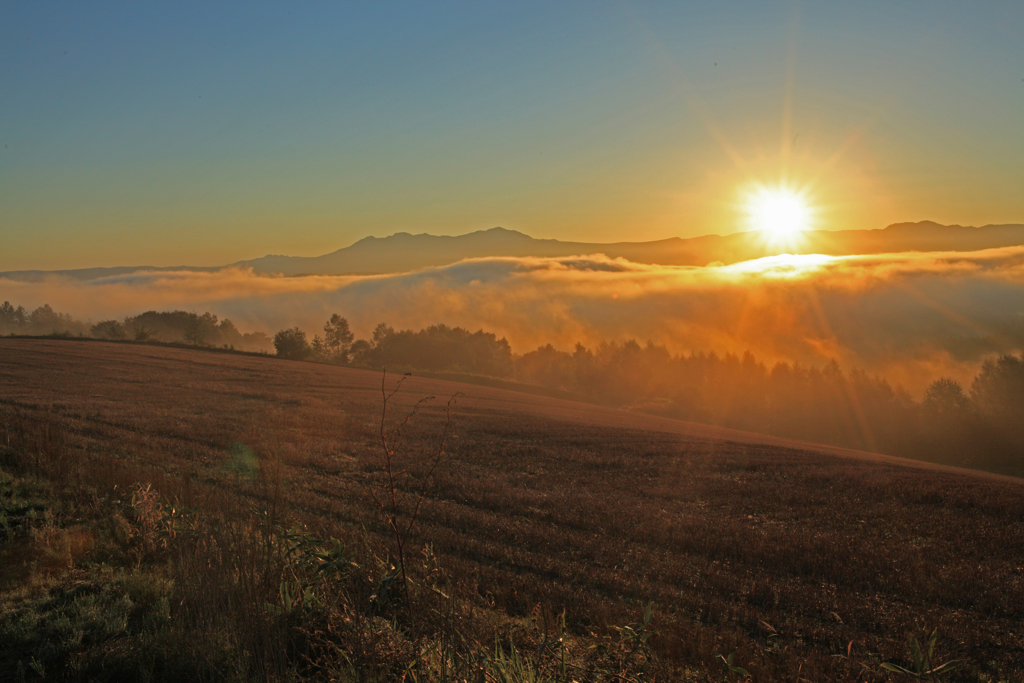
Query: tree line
41	321
979	426
182	327
437	348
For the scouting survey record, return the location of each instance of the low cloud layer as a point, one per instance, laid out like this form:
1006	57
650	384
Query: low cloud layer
911	316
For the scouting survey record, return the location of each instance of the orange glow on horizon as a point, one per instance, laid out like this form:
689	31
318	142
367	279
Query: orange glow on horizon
783	265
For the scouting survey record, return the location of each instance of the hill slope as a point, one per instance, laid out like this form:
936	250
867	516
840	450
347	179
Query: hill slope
787	551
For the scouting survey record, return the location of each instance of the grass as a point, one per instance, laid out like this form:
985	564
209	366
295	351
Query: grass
800	564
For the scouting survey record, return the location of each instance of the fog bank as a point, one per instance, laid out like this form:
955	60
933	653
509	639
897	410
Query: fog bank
910	316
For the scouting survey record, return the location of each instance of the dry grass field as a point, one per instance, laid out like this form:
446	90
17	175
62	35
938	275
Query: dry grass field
810	563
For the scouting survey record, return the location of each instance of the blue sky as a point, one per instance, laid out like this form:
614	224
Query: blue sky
206	133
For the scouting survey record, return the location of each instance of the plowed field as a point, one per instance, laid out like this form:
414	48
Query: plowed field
796	554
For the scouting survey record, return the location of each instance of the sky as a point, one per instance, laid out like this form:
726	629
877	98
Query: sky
206	133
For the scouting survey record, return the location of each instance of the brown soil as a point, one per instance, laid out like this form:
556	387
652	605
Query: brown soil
787	550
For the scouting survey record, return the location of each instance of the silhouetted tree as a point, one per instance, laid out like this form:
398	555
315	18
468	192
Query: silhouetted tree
141	333
108	329
200	329
360	351
946	424
945	399
546	366
381	333
13	320
998	395
998	390
256	341
318	349
292	344
226	334
166	326
436	348
337	338
45	320
10	319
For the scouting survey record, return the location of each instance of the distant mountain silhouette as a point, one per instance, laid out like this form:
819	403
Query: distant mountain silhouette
403	252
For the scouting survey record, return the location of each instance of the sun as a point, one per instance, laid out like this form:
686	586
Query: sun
780	214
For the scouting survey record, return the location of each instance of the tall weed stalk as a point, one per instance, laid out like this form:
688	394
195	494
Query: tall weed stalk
397	501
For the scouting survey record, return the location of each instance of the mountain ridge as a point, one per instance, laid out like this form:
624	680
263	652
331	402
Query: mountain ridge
404	251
